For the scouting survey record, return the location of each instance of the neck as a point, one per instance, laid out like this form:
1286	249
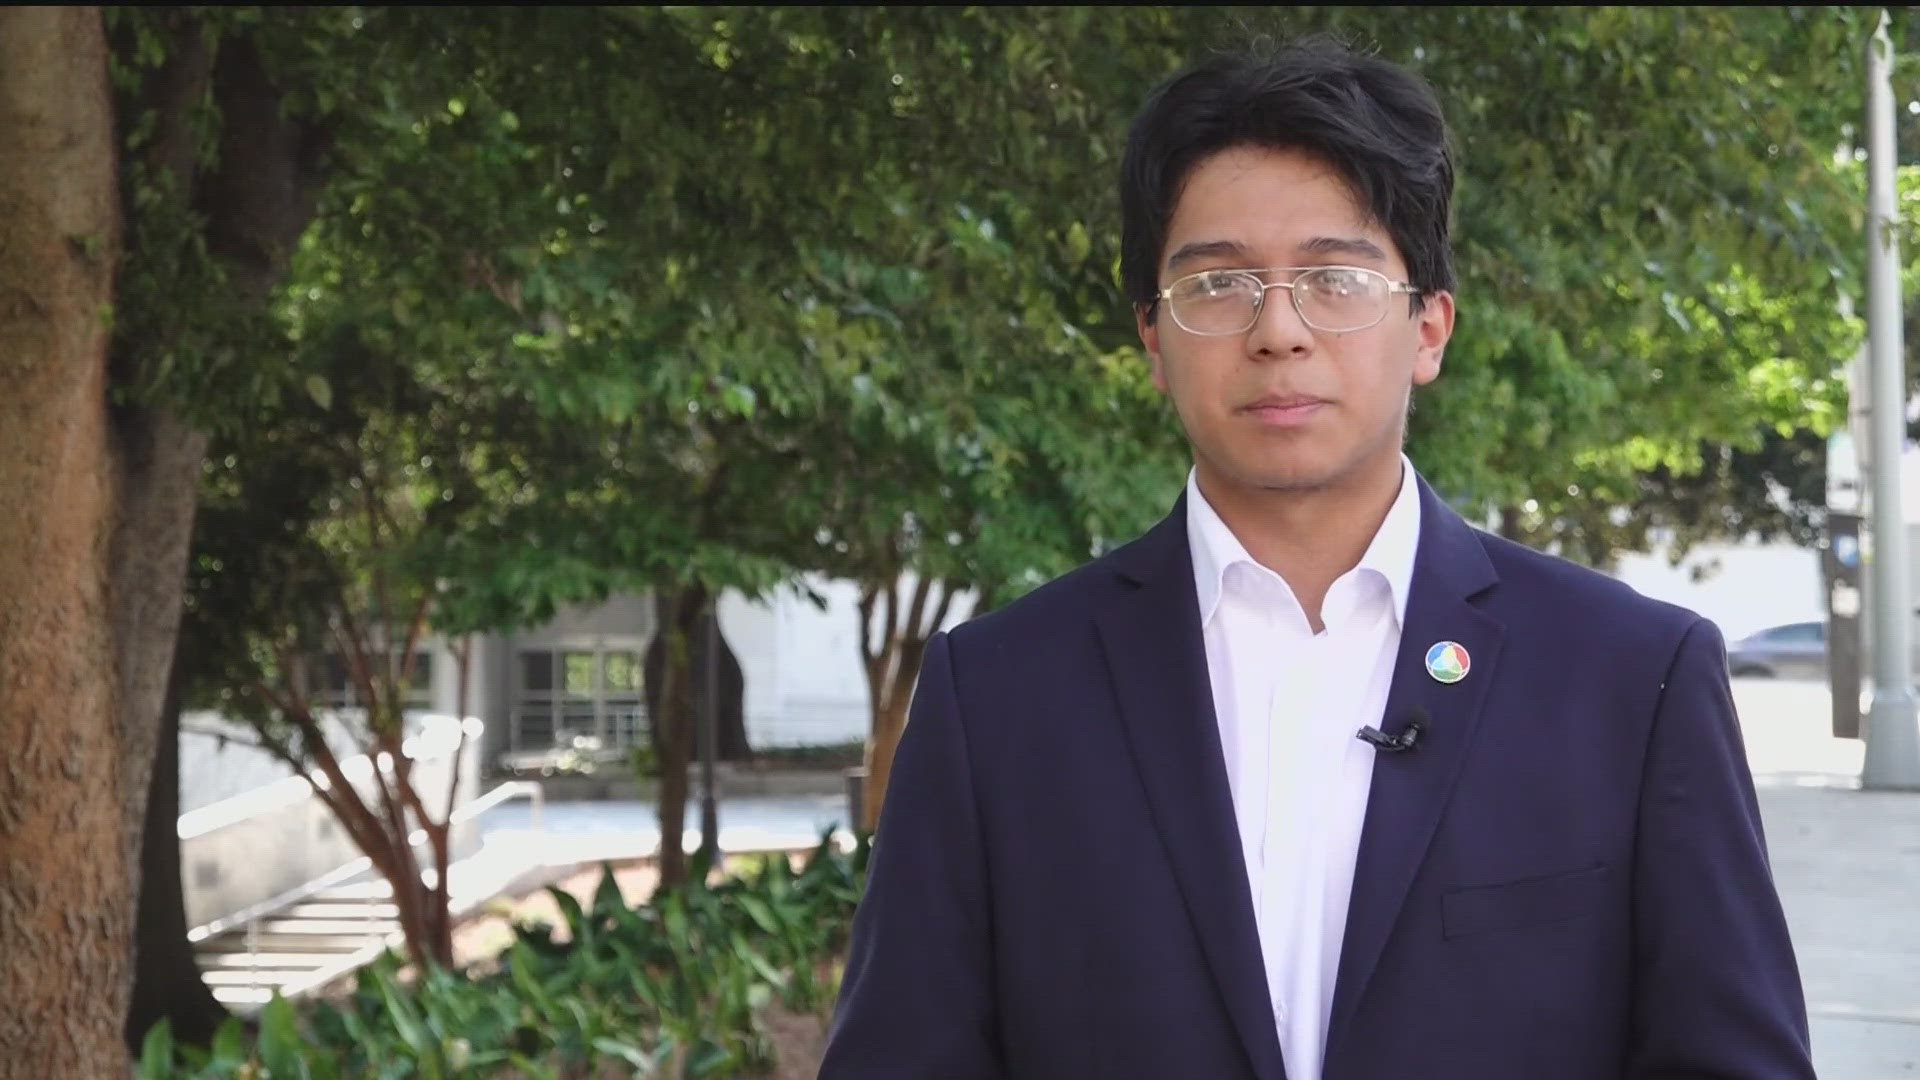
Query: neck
1308	536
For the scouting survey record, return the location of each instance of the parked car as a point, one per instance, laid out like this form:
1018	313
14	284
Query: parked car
1793	651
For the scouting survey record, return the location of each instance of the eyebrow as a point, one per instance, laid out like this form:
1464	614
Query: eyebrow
1343	245
1320	245
1206	249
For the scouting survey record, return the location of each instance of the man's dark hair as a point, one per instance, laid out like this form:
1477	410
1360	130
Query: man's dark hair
1377	124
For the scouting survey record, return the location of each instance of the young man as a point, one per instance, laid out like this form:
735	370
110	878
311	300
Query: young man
1314	780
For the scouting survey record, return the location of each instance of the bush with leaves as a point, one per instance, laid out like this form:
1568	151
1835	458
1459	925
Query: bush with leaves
674	988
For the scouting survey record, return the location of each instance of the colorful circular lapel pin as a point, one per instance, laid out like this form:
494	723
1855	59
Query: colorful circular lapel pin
1448	662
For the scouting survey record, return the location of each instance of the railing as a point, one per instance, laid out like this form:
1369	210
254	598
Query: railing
251	916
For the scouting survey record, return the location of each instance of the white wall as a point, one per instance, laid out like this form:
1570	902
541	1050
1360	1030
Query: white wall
213	768
804	681
1755	585
251	847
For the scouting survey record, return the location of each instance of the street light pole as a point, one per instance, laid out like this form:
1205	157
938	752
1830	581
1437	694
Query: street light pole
1893	741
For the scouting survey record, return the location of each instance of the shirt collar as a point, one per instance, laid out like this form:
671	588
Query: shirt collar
1390	554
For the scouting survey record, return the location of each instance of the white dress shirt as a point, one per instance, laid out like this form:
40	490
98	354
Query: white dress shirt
1289	704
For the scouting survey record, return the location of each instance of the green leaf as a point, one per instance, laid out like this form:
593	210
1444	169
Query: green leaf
761	914
320	391
279	1044
229	1048
608	902
407	1023
647	1064
578	925
156	1052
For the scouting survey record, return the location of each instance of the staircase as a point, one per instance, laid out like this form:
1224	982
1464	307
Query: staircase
300	946
335	924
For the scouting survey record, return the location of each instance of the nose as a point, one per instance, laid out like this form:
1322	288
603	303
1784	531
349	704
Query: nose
1279	330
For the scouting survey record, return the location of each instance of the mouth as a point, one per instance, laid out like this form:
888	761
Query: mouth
1284	410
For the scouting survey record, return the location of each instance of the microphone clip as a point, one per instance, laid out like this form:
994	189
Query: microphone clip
1394	744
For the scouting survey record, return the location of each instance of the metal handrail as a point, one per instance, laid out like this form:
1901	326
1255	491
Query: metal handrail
342	874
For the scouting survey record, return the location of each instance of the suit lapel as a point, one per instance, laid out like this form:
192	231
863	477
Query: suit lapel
1151	632
1410	790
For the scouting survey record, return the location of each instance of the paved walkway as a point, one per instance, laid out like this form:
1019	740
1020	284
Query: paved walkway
623	829
1847	863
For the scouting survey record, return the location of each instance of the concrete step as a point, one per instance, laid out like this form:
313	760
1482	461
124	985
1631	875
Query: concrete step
329	927
242	995
289	943
374	889
342	908
263	976
242	962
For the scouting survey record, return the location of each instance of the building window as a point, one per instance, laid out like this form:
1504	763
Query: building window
578	699
337	688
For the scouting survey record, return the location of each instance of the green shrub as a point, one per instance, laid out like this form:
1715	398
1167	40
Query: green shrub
674	988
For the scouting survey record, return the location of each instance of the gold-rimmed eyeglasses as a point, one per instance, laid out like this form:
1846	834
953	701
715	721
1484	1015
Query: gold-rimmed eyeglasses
1336	299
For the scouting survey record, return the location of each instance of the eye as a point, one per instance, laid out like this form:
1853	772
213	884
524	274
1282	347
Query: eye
1339	281
1214	282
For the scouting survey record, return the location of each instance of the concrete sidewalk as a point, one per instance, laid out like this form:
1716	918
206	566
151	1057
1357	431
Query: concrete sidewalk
1847	864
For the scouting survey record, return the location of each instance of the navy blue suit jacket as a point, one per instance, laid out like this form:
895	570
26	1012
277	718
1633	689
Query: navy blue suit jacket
1564	879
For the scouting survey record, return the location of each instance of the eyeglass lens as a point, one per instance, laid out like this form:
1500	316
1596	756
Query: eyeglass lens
1330	298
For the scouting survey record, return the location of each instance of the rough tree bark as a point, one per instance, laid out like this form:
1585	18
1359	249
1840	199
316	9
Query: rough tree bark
892	650
66	887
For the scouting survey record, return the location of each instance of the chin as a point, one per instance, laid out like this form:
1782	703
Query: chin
1291	476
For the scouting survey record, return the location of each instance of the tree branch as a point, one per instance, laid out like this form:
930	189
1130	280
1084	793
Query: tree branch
229	737
868	594
918	610
415	625
947	593
893	616
382	597
353	647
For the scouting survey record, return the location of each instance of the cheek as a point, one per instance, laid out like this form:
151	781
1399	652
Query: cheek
1187	380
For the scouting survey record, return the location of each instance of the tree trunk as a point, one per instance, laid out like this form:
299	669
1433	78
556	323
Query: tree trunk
66	890
893	651
1511	527
733	689
158	460
256	200
889	715
166	978
680	610
733	703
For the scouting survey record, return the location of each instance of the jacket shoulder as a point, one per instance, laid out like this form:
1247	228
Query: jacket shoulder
1599	600
1041	615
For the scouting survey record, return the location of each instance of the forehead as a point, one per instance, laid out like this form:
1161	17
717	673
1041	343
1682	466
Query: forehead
1272	204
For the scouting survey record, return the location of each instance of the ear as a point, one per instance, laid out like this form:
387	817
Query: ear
1150	339
1435	328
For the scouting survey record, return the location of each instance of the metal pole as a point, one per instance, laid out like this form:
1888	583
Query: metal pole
1893	741
710	735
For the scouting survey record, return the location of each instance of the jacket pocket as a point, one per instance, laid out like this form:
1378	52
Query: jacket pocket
1535	901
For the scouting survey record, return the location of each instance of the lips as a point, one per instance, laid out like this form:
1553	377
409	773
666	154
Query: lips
1283	410
1285	401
